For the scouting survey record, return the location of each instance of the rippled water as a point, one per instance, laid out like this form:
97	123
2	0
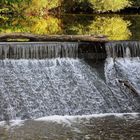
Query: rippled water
91	127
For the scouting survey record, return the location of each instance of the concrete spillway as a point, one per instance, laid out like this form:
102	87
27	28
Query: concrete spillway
123	49
43	50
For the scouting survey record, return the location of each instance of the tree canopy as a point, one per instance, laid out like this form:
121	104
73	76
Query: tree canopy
67	5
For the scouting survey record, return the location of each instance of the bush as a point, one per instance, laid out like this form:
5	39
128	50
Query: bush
97	5
109	5
35	25
69	5
115	28
36	6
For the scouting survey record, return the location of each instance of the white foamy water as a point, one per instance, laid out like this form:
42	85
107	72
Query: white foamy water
124	69
33	88
69	120
36	88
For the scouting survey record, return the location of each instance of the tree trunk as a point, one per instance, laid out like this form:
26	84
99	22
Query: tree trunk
69	38
130	86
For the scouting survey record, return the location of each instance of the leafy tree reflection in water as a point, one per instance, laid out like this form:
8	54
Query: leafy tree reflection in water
114	27
36	25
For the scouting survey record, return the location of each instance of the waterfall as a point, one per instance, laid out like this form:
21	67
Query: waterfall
123	49
38	50
42	50
122	64
125	69
36	88
44	79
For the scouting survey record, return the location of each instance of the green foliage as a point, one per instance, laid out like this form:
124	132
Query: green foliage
136	3
114	27
3	10
36	25
38	6
97	5
30	6
14	6
10	1
109	5
42	5
71	5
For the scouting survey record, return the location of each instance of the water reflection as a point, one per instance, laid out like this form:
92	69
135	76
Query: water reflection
135	26
36	25
116	27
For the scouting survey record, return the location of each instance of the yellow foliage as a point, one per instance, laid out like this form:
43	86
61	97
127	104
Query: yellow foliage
36	25
39	5
109	5
50	25
114	27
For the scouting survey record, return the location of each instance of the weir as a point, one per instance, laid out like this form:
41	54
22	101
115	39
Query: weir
88	50
44	79
38	50
42	50
123	49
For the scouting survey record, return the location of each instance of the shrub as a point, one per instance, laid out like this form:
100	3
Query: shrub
109	5
97	5
115	28
35	25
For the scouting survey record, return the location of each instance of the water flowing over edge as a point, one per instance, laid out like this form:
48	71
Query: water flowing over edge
89	75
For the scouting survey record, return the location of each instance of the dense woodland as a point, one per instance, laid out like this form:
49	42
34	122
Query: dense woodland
46	6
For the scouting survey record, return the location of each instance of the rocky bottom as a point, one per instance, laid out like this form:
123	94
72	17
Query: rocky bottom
90	127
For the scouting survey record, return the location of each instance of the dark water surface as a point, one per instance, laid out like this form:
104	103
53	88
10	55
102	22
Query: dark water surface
116	27
94	127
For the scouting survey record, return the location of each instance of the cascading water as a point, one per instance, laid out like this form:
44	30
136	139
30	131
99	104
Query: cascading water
38	50
122	72
123	49
35	81
36	88
42	50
